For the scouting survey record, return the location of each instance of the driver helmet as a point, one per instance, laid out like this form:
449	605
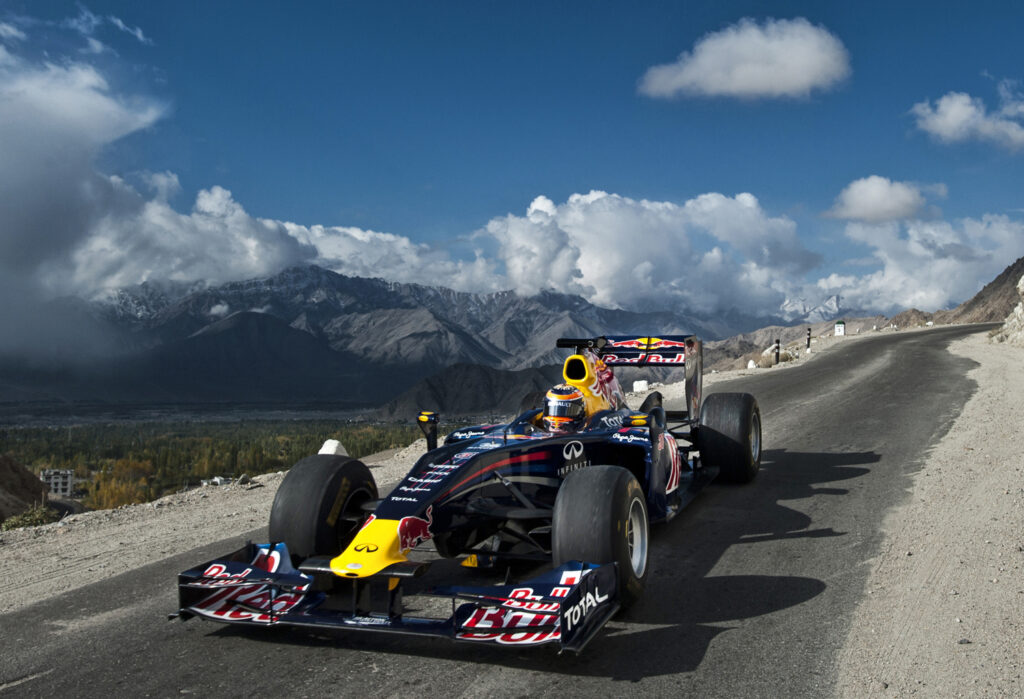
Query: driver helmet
563	409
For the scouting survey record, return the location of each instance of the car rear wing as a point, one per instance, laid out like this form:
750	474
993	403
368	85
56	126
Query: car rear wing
669	351
630	350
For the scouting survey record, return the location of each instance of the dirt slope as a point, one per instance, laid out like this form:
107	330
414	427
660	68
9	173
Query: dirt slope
992	303
19	488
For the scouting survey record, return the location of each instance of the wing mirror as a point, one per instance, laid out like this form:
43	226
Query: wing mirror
427	421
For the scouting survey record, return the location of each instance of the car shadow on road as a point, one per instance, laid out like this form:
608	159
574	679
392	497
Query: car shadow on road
684	607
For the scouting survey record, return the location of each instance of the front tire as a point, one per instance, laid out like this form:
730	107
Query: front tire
729	435
600	516
318	507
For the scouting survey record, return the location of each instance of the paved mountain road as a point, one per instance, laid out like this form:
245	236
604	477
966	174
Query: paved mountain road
750	592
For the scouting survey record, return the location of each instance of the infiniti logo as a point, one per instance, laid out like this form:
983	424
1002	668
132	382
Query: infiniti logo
366	548
572	451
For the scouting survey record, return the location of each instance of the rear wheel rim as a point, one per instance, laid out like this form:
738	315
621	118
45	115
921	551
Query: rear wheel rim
636	537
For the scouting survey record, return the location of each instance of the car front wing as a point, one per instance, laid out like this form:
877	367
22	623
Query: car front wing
258	586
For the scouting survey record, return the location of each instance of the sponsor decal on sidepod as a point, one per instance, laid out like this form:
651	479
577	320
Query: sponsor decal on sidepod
629	438
574	458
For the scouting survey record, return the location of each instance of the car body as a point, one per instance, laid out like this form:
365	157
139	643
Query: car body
506	496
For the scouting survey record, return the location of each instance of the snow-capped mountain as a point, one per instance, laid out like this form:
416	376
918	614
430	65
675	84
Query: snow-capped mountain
801	311
391	323
143	300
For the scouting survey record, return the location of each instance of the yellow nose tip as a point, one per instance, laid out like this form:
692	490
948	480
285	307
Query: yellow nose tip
375	547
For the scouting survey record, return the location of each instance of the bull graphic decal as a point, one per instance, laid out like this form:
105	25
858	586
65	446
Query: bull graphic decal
413	531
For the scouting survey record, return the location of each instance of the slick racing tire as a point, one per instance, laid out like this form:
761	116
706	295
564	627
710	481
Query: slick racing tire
600	517
729	435
318	507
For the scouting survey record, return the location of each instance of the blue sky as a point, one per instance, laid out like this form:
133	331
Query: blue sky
709	155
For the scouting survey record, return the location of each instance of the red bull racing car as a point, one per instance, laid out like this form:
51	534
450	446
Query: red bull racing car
569	487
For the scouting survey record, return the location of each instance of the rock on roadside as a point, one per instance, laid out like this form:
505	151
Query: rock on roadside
1012	331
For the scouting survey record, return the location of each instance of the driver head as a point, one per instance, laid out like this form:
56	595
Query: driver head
564	409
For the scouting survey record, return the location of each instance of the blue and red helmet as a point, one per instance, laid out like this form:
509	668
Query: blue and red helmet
564	409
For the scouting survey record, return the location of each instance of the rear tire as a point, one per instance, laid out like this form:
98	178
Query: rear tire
729	435
600	517
318	507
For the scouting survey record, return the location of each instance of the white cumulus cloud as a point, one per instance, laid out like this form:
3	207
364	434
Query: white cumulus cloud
928	264
958	117
769	242
56	116
54	120
363	253
874	199
629	253
710	253
139	239
777	58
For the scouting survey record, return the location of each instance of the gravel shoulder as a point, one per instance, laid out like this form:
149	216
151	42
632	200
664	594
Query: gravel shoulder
943	609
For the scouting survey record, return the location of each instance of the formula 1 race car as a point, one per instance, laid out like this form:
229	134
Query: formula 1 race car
575	504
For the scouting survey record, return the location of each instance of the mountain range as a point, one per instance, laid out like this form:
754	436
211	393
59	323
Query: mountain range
308	336
388	322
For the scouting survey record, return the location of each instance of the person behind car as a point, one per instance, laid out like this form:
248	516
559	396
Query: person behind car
564	409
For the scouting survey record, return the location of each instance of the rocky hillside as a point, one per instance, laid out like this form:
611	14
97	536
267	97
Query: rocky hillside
992	304
1012	331
734	352
19	488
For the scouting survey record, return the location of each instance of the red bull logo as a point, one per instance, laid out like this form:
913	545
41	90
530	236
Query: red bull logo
269	561
638	343
647	343
413	531
615	359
